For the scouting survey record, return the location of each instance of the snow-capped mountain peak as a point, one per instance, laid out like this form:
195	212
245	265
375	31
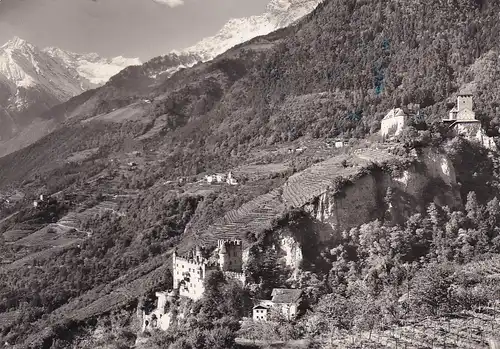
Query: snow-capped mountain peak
16	43
32	80
278	14
58	73
91	66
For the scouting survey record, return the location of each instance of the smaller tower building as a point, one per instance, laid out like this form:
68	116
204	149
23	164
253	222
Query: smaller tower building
230	255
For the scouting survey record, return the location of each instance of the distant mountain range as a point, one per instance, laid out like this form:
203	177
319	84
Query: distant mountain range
33	80
278	14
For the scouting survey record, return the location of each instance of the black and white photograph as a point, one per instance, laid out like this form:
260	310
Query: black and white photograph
249	174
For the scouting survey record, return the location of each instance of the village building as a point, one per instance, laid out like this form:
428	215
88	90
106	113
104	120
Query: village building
230	179
210	179
261	310
286	302
39	202
339	144
462	120
221	178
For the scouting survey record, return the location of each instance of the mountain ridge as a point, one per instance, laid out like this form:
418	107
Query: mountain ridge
33	80
279	13
275	100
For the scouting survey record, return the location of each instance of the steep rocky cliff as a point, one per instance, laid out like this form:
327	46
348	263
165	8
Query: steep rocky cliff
429	178
390	191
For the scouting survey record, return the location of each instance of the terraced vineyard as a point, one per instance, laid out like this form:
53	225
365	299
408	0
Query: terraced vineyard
74	219
255	215
300	189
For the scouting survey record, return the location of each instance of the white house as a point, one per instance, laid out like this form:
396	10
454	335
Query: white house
393	123
210	178
220	177
261	310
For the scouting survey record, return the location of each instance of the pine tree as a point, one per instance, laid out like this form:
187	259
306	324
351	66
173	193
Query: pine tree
473	208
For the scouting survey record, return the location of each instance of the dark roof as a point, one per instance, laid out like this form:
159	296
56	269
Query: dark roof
286	295
260	306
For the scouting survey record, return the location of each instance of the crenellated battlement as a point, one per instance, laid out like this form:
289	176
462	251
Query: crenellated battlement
230	255
191	269
235	276
228	243
193	262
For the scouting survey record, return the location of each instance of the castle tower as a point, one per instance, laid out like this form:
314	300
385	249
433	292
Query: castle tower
162	301
464	101
223	257
198	254
230	255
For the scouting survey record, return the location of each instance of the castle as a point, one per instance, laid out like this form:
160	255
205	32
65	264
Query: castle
191	270
462	120
189	274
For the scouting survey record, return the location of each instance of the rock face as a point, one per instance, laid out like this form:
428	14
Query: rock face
292	250
475	133
431	178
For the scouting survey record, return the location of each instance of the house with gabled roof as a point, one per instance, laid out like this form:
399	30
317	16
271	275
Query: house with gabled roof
285	301
393	123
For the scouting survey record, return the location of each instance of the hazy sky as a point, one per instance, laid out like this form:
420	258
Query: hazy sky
132	28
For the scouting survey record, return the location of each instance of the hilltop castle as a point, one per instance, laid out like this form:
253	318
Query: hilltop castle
397	119
462	120
191	270
189	274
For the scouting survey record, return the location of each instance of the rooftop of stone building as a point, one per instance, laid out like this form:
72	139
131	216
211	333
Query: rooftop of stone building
286	295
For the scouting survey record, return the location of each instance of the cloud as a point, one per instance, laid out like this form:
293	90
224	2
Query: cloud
171	3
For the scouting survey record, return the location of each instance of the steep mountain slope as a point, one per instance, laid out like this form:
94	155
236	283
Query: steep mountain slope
93	71
34	80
